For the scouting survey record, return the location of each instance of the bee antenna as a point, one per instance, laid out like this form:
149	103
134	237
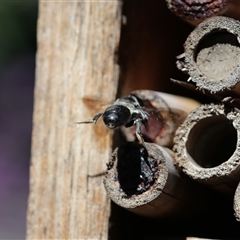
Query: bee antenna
93	120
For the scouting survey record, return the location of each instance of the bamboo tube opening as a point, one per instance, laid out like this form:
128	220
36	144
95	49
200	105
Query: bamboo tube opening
207	145
212	141
212	54
136	175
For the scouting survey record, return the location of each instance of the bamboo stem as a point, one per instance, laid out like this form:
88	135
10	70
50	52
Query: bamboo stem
236	203
211	55
168	112
194	12
207	146
168	194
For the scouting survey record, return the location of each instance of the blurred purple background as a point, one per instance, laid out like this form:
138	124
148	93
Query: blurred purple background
17	67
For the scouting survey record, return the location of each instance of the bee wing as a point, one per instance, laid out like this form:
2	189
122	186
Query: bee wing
160	127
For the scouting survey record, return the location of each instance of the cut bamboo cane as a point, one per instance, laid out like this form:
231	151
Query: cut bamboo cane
236	203
167	112
212	55
196	238
194	12
161	100
207	146
167	194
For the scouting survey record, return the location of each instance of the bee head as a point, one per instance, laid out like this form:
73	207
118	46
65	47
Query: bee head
116	116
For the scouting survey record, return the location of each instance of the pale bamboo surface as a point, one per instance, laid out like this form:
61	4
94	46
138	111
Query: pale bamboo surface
76	74
236	203
207	146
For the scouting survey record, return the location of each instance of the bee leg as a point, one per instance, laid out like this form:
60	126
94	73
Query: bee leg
138	124
93	120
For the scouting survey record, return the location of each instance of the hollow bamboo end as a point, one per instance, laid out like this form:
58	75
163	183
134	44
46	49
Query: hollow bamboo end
114	189
236	203
212	54
162	198
207	144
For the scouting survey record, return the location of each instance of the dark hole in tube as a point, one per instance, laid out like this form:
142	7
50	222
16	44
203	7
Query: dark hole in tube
135	169
212	141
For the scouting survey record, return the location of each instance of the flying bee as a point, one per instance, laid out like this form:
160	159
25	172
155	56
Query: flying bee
146	115
126	111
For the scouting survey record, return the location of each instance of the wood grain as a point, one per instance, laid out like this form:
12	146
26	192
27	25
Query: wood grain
76	75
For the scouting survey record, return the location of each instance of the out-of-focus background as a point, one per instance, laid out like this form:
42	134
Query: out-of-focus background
18	21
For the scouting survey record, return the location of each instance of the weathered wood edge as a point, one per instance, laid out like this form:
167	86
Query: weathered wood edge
76	74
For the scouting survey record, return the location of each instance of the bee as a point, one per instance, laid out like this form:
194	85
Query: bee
126	111
144	114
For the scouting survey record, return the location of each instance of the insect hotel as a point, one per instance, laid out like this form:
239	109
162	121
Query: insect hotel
161	79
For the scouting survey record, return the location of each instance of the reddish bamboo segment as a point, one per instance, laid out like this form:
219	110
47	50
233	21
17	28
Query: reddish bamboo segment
194	12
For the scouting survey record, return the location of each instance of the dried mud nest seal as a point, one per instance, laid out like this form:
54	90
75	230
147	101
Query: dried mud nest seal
212	54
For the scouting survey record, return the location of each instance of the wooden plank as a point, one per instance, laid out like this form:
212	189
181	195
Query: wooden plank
76	74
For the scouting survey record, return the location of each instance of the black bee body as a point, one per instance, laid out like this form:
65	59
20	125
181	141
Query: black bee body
143	108
126	111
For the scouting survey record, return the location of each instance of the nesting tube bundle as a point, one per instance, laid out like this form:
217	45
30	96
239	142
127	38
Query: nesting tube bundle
207	146
212	55
148	179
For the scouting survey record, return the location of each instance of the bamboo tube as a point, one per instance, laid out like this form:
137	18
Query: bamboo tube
165	192
194	12
236	203
167	112
196	238
212	55
207	146
165	100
